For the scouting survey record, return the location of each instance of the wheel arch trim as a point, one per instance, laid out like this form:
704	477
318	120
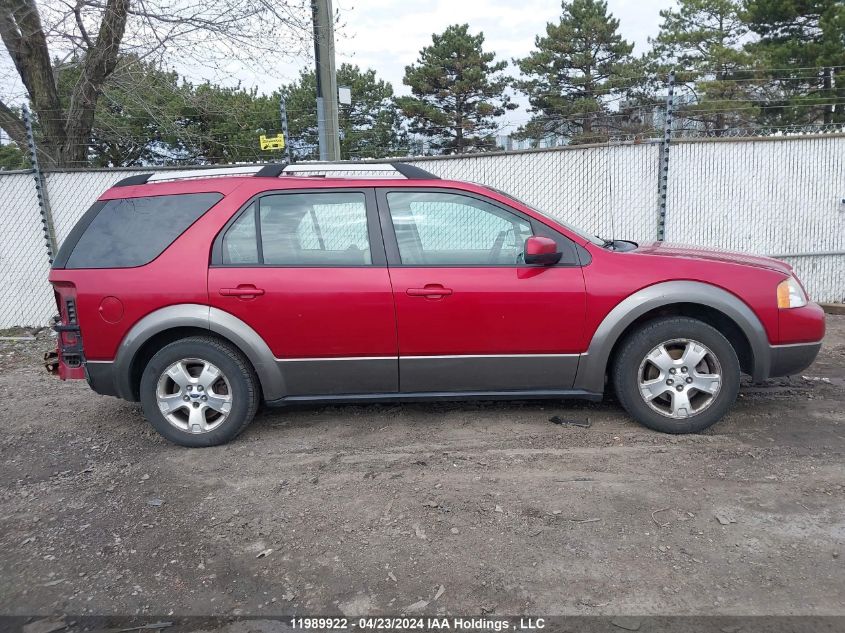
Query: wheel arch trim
204	317
593	365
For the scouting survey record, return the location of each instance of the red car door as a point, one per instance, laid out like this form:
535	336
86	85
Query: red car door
307	271
471	316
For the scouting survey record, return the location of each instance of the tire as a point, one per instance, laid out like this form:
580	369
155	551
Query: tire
199	391
657	358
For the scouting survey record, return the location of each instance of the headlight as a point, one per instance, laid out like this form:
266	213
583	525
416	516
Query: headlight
791	294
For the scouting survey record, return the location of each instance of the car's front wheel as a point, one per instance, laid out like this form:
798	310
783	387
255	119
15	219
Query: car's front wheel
676	375
199	391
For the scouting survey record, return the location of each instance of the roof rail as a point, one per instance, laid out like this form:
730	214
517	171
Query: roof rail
413	173
138	179
275	170
208	172
271	171
410	172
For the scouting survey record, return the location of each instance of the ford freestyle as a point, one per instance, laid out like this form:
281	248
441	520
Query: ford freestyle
204	297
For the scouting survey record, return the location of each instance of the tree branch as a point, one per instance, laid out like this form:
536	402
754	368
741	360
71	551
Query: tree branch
12	125
77	14
24	38
100	62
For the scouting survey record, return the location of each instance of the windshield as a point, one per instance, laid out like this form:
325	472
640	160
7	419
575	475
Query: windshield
579	232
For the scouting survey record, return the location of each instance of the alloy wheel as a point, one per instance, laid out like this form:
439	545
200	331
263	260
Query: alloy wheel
679	378
194	395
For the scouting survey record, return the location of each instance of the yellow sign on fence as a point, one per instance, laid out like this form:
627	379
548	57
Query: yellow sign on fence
272	142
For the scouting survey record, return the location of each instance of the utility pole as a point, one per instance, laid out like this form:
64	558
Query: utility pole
327	119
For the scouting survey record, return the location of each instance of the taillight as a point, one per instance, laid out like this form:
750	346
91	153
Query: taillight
70	310
69	335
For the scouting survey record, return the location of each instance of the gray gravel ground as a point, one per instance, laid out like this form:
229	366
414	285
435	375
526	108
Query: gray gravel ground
458	508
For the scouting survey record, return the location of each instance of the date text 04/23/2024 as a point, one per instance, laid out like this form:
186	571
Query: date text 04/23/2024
417	623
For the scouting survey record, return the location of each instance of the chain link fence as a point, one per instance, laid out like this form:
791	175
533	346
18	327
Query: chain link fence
779	197
782	196
25	296
608	190
72	192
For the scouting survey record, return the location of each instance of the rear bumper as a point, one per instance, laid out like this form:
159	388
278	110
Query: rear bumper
786	360
101	377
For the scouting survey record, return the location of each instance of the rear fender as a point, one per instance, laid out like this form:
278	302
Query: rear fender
217	321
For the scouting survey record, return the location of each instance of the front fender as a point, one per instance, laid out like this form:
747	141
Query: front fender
592	367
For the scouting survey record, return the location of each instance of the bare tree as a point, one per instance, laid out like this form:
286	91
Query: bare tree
42	38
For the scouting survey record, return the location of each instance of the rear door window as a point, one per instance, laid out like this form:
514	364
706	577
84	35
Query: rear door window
132	232
240	244
315	229
300	229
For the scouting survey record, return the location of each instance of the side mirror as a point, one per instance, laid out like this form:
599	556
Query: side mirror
541	251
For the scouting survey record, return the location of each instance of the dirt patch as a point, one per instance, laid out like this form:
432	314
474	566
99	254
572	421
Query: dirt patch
470	508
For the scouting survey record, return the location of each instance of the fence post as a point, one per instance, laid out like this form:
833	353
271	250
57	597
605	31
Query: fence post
40	188
663	173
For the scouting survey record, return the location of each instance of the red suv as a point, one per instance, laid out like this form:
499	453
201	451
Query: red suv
204	297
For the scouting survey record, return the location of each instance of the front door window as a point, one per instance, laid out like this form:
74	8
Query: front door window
445	229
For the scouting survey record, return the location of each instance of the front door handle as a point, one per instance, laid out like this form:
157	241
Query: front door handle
430	291
243	291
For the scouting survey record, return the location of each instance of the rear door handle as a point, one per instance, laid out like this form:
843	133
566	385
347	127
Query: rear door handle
430	290
244	291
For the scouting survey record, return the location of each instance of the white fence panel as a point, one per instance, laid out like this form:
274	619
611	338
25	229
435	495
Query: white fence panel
610	190
25	296
822	275
768	197
72	192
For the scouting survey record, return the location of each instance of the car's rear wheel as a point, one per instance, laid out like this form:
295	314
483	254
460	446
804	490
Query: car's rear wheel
676	375
199	391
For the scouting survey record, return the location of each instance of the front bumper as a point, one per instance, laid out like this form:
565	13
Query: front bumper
786	360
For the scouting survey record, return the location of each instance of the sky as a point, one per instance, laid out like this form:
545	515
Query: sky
387	35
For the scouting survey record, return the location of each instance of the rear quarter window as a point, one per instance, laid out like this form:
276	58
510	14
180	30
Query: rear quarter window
132	232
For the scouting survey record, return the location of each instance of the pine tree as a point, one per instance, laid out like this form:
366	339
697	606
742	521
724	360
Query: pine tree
575	70
458	92
702	41
802	42
222	124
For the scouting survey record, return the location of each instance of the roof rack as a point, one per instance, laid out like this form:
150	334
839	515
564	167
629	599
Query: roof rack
359	170
138	179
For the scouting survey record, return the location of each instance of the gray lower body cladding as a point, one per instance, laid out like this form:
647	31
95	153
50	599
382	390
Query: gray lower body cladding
442	377
333	376
488	373
101	377
517	376
470	374
787	360
440	396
